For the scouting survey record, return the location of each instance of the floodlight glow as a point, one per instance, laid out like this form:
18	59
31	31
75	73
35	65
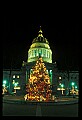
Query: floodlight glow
72	83
15	84
62	85
3	85
4	82
75	86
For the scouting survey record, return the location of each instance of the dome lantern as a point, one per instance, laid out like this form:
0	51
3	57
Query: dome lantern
40	38
40	32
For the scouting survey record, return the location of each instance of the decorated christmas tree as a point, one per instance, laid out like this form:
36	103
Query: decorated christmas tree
38	87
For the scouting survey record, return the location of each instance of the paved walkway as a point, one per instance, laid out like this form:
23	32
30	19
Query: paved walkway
34	108
38	110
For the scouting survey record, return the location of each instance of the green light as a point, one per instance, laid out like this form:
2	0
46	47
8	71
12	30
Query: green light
62	85
3	85
72	83
15	84
59	83
75	86
50	71
4	82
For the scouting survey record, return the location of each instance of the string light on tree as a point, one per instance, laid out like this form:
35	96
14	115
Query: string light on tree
38	88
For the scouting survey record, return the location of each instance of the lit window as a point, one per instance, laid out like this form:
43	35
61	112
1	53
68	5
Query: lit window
32	52
59	77
47	53
40	51
35	52
17	76
44	53
13	76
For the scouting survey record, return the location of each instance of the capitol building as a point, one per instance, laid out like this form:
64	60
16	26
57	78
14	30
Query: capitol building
61	81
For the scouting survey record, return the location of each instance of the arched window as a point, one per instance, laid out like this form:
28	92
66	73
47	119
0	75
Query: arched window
28	54
40	51
35	52
47	53
44	53
32	53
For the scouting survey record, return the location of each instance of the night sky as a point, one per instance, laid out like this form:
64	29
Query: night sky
20	30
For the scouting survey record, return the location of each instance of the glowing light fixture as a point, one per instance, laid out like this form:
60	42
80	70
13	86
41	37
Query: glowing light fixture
72	83
15	84
59	77
4	82
62	85
76	87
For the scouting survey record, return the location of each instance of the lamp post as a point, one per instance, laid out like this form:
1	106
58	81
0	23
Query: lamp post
4	86
73	87
62	88
15	85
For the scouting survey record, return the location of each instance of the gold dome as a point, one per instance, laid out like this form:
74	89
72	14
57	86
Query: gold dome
40	46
